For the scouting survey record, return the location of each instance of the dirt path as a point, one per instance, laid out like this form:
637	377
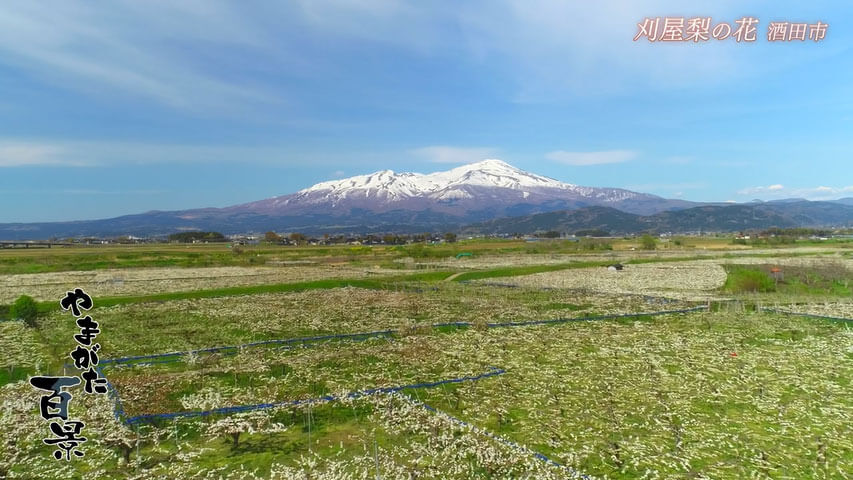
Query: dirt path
450	278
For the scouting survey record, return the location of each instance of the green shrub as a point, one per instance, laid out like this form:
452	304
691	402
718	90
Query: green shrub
593	244
648	242
25	309
749	280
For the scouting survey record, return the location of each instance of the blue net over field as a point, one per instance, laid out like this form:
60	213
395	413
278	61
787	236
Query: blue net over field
233	349
493	371
651	299
113	393
595	317
318	340
810	315
361	336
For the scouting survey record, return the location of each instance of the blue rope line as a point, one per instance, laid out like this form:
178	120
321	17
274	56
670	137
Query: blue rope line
361	336
451	324
493	371
647	298
176	358
253	344
500	439
595	317
810	315
497	284
118	410
172	357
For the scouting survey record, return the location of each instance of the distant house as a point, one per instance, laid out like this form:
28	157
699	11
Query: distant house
777	274
615	267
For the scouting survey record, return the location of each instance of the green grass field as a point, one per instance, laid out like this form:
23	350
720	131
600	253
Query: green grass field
730	393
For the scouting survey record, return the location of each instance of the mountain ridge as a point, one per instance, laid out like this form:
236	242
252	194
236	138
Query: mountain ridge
707	218
459	191
385	201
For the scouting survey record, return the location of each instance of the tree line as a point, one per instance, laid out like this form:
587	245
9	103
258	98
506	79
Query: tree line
189	237
297	238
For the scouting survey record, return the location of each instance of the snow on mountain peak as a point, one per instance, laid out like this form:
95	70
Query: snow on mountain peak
494	173
487	184
486	173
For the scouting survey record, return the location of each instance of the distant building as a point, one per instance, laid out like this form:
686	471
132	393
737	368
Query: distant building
777	274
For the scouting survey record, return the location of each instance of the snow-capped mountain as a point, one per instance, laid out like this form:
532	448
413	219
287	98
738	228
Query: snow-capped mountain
383	201
488	173
481	195
484	189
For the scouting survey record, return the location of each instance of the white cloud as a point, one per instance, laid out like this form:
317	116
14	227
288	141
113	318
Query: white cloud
32	154
810	193
150	50
559	49
645	187
204	54
753	190
79	191
590	158
17	153
449	154
85	191
338	173
549	49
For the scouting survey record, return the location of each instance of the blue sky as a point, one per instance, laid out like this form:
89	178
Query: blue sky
110	108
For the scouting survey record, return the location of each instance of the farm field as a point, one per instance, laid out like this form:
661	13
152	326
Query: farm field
340	363
142	281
